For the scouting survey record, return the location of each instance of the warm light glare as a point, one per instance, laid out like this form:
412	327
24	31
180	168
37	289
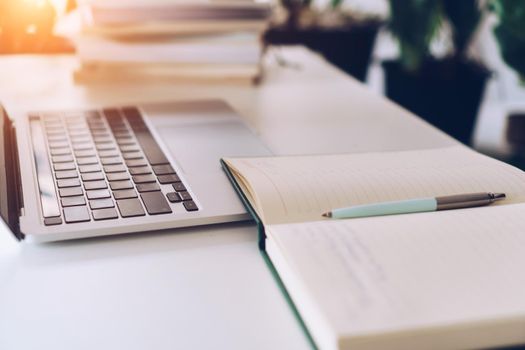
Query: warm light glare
59	5
36	3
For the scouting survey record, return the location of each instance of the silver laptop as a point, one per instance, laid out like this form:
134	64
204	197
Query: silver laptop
71	174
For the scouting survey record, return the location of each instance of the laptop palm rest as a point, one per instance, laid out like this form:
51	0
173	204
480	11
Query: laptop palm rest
197	142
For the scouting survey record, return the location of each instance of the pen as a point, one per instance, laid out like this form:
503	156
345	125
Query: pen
418	205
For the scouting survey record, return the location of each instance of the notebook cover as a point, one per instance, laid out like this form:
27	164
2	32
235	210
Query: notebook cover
262	248
247	205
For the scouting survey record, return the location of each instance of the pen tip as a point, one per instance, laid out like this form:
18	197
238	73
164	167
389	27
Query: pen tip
327	215
499	196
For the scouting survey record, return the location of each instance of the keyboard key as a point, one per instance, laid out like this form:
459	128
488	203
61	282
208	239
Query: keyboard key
52	221
139	179
97	125
117	176
57	133
101	203
124	194
76	214
73	201
106	146
85	153
190	206
131	112
60	151
122	133
92	176
150	148
100	132
142	170
62	159
168	179
125	141
155	203
64	166
64	183
148	187
136	162
75	133
163	169
68	174
105	214
52	128
174	197
70	192
78	146
111	160
130	207
98	194
132	155
87	161
95	185
57	138
120	185
102	139
185	196
98	129
80	139
129	148
89	168
111	113
114	168
108	153
58	144
179	186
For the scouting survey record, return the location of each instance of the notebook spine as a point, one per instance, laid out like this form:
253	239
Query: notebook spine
248	206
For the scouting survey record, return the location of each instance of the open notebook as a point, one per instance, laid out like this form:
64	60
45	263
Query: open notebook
448	279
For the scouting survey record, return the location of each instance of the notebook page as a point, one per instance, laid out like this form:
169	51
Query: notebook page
399	273
297	189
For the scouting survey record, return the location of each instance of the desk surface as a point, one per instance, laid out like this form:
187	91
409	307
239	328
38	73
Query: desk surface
193	288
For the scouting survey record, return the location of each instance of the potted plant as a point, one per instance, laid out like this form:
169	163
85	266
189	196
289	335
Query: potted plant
342	37
445	91
510	34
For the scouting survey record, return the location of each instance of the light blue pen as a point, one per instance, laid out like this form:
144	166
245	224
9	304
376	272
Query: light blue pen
416	205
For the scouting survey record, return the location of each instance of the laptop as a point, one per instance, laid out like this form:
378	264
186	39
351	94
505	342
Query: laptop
70	174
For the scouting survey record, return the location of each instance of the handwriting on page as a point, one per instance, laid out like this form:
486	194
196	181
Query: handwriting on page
393	272
303	187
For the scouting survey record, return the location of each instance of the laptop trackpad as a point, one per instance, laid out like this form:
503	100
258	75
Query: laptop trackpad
198	148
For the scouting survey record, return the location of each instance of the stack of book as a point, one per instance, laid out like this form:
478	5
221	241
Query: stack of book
177	40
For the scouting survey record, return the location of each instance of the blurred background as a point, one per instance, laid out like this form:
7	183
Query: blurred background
459	64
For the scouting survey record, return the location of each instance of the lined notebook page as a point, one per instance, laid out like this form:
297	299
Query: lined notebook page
296	189
396	273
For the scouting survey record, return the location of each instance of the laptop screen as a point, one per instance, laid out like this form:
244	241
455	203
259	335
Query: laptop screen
9	183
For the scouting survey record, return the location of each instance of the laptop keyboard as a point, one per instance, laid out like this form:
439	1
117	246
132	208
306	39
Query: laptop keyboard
103	165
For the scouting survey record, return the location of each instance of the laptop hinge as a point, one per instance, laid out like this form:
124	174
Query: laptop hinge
11	199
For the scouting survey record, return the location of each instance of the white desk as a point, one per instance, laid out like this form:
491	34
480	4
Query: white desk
194	288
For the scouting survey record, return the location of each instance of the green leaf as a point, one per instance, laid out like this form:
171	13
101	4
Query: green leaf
510	32
415	23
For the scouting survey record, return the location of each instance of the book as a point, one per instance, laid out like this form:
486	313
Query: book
140	17
172	28
437	280
236	48
138	11
93	72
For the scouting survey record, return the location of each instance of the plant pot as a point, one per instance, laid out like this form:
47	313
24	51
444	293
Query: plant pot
446	93
349	47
